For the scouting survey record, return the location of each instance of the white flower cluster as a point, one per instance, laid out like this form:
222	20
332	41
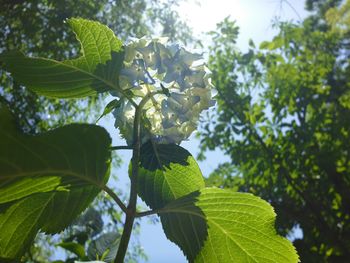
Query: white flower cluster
171	116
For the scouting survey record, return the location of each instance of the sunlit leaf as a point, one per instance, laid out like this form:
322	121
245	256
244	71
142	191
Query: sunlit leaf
97	70
167	172
75	248
217	225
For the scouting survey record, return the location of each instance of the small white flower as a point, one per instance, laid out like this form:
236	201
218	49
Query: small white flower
153	65
136	73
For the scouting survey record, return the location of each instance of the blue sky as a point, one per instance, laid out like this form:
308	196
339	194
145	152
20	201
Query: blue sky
254	17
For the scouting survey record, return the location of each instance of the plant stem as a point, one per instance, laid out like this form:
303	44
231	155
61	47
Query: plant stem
131	209
146	213
115	198
123	147
130	214
124	241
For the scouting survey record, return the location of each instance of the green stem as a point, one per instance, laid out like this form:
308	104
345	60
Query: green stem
115	198
130	214
131	209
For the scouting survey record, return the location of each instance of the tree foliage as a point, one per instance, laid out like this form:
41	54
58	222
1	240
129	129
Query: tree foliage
283	119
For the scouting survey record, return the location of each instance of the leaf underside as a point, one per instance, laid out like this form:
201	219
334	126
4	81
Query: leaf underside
47	180
226	226
97	70
208	224
167	172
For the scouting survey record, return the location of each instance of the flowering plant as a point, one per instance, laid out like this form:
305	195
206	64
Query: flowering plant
180	85
47	180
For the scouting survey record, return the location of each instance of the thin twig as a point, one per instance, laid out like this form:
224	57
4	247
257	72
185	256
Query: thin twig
121	147
292	7
147	213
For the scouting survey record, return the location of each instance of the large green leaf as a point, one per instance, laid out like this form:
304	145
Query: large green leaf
167	172
96	70
227	226
47	180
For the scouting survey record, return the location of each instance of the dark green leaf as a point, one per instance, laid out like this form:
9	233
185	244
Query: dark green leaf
47	180
110	107
251	43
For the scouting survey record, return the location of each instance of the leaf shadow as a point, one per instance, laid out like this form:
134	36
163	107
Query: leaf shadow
109	73
185	224
160	156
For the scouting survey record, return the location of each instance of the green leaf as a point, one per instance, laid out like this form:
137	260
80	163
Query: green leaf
75	248
97	70
275	44
264	45
105	247
217	225
47	180
167	172
251	43
109	107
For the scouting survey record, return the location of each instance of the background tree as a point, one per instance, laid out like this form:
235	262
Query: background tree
36	28
282	117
